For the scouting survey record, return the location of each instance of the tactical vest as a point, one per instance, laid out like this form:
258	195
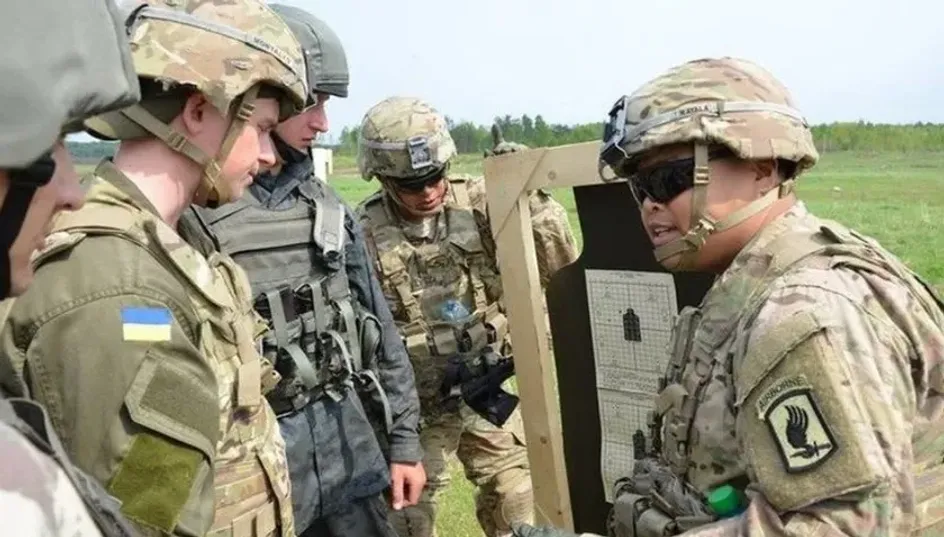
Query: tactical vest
320	337
31	420
424	281
251	482
714	336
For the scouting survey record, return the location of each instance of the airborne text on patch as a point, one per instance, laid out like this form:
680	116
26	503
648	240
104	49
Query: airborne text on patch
763	402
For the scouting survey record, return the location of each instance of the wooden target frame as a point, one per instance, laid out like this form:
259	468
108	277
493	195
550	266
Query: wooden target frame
565	471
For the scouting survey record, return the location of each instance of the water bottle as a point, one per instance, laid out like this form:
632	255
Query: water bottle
726	502
453	310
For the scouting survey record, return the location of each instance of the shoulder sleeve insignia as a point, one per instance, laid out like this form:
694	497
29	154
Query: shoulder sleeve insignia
145	324
802	435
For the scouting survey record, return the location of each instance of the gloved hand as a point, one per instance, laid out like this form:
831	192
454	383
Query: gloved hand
527	530
500	146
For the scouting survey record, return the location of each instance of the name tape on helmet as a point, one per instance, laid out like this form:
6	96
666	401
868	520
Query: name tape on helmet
714	108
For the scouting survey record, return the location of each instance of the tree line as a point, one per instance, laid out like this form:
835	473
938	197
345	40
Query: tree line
537	132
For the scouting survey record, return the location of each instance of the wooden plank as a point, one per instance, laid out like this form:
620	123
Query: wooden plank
545	167
534	368
509	180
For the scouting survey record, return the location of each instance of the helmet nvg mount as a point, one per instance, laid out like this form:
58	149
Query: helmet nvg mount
232	52
729	102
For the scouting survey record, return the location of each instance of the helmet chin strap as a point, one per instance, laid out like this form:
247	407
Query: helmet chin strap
685	249
213	189
12	215
23	185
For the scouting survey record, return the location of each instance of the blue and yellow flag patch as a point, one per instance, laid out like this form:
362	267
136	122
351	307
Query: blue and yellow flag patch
145	324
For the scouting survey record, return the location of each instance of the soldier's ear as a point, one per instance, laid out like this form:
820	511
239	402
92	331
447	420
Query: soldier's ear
766	176
196	114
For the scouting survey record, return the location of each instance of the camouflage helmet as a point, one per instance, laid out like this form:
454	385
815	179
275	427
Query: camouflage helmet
728	102
403	138
231	51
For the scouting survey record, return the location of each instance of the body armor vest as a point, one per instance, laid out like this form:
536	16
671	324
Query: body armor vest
251	482
427	281
31	420
706	341
320	338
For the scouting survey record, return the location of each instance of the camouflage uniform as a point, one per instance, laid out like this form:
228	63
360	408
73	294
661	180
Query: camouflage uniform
808	381
429	271
50	86
285	234
177	430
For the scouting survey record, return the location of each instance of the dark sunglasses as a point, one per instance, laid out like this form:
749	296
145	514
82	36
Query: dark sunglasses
664	182
418	184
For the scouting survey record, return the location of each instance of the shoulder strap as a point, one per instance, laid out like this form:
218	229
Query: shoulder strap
148	231
385	231
96	217
885	258
328	230
369	209
197	231
792	248
459	191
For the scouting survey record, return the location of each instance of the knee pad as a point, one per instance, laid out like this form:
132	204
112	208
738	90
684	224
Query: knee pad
509	500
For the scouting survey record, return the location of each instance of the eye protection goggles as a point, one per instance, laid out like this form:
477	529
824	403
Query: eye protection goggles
418	184
663	182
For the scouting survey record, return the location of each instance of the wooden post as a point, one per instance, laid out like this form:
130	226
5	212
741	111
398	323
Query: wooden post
509	179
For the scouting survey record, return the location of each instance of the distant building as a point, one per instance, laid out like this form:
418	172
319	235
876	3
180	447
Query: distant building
324	162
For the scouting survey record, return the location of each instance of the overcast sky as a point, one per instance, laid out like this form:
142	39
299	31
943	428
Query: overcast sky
843	60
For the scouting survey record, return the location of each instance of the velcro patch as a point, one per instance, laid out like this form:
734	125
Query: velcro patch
802	430
154	480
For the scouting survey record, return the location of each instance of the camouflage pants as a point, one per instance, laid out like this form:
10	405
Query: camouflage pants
495	460
366	517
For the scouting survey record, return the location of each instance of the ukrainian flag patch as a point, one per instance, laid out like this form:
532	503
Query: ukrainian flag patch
145	324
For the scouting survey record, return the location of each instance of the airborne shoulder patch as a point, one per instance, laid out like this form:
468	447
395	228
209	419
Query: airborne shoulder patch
801	433
800	423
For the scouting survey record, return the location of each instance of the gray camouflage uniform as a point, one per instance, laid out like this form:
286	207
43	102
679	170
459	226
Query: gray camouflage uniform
49	86
292	233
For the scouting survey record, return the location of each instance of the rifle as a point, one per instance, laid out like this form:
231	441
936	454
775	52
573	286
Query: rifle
479	383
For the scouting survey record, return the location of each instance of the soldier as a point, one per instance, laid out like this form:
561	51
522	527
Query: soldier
51	86
432	245
330	334
804	395
142	349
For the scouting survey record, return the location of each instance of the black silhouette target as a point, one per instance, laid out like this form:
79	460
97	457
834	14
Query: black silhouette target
613	239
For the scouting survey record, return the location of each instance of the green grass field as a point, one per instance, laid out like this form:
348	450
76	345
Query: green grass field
892	197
